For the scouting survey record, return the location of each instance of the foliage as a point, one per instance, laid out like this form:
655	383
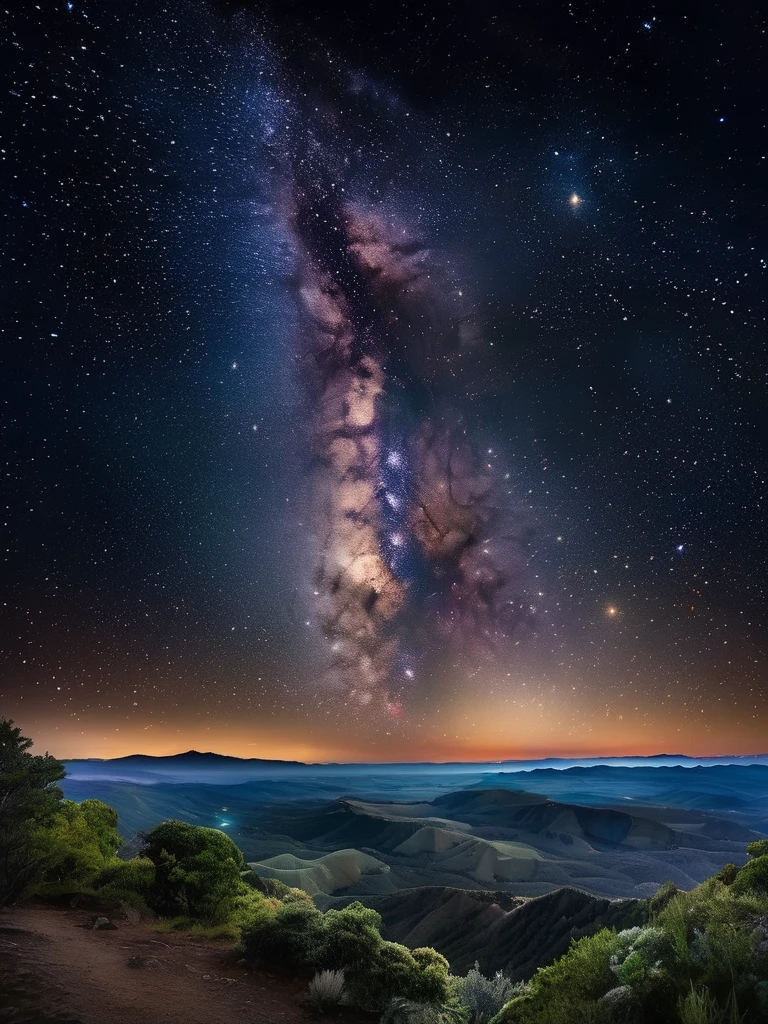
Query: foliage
349	940
197	873
127	881
662	896
326	989
753	877
134	875
77	844
405	1011
698	1007
759	848
29	798
289	933
483	997
727	874
703	961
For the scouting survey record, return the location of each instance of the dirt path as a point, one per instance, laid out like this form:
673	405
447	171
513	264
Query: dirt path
55	968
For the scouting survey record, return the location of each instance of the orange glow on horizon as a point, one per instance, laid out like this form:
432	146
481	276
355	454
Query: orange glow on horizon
609	742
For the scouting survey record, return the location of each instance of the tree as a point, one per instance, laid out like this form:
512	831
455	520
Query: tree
78	843
197	871
29	799
759	848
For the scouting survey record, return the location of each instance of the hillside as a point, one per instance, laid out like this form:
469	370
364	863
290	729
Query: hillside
322	874
502	933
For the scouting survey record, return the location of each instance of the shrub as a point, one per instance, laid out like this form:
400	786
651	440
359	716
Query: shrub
348	940
326	989
289	933
759	848
76	845
197	871
389	972
405	1011
584	970
352	937
127	881
134	875
752	878
698	1007
662	897
727	874
483	997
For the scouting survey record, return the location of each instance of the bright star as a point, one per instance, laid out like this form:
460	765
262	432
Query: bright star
575	200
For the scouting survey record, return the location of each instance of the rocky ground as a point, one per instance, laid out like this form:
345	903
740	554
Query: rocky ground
56	969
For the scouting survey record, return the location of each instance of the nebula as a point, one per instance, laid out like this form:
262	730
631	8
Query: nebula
414	538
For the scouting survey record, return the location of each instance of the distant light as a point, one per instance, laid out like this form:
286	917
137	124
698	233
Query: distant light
721	120
575	200
611	611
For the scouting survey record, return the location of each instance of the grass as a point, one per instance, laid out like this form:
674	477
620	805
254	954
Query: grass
227	934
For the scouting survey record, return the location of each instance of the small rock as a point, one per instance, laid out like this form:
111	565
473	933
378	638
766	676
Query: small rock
143	961
103	924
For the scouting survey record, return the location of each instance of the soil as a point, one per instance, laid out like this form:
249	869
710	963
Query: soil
55	969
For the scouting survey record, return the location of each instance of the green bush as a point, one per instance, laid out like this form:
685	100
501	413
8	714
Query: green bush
727	874
753	877
662	897
127	881
75	845
299	935
292	934
759	848
197	872
352	937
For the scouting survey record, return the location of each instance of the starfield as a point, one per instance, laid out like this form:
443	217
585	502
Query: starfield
383	621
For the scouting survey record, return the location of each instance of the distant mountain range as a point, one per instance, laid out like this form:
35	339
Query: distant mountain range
196	758
189	757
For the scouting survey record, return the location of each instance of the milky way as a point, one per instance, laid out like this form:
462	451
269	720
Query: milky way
414	531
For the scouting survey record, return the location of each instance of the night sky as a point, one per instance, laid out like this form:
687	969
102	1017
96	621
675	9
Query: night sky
386	383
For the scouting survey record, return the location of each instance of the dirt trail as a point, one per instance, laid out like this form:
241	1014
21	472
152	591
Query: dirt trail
55	968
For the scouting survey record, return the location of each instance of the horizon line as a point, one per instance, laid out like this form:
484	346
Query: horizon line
493	760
